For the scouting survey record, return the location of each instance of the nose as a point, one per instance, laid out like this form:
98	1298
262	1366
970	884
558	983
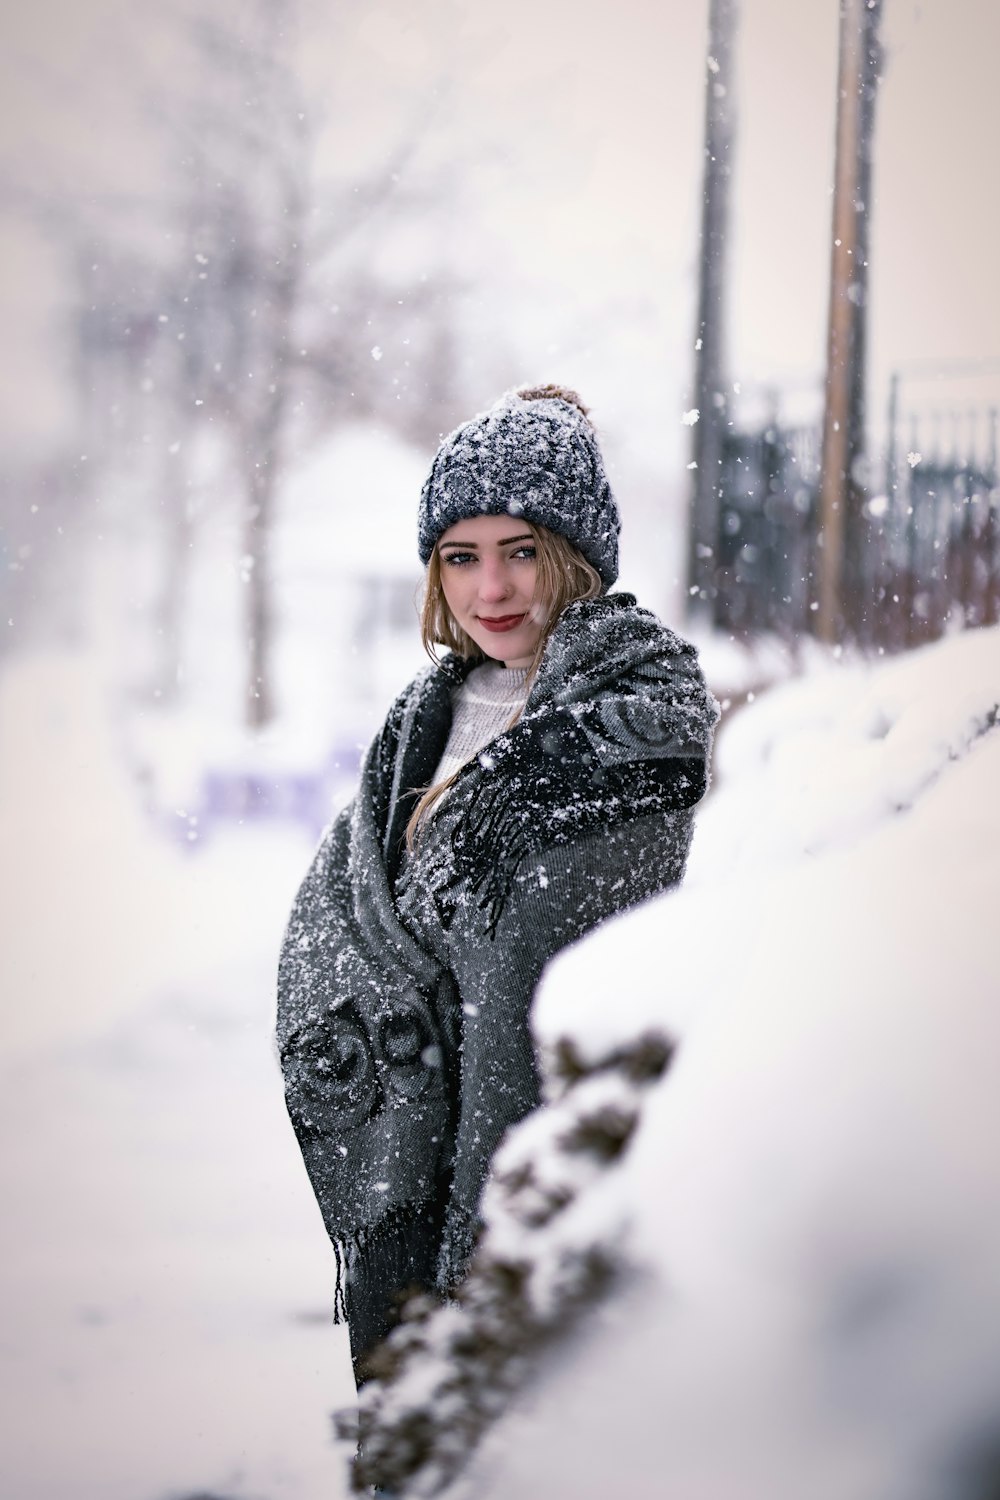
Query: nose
494	580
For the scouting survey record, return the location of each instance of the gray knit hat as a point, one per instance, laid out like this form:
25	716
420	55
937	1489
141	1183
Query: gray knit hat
533	454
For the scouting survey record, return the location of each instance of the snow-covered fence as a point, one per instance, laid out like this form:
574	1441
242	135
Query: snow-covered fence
939	560
924	555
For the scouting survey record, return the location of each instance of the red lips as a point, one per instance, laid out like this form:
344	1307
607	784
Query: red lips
500	623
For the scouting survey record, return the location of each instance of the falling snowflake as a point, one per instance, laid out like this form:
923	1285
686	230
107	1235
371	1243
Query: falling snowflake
913	459
690	417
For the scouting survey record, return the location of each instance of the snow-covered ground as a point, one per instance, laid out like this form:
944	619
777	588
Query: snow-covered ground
167	1282
811	1198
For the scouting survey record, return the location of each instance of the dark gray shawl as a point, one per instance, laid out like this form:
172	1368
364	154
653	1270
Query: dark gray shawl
404	998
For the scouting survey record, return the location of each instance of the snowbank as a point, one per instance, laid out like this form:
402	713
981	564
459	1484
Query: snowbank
812	1190
801	1219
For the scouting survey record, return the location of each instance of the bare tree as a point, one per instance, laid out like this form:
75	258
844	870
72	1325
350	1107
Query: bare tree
234	326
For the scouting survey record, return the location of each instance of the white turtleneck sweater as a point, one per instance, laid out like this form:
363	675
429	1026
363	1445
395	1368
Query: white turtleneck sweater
482	708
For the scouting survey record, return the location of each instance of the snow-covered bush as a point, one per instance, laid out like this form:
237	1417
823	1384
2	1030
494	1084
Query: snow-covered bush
446	1373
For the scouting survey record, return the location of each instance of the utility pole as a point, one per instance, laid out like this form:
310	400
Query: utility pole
710	395
842	481
890	446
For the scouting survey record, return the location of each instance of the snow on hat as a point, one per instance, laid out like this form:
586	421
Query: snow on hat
533	454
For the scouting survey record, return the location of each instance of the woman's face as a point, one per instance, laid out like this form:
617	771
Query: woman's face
488	573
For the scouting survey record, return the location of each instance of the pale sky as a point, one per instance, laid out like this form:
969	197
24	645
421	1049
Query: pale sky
573	132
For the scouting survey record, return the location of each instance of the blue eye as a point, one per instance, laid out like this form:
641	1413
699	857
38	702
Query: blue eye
458	559
528	552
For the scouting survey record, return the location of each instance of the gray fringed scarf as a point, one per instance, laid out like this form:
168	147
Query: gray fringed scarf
403	1002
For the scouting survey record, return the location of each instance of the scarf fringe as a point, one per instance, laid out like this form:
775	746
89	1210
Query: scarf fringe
498	832
348	1247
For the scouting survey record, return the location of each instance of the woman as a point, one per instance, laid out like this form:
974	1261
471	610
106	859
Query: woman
535	780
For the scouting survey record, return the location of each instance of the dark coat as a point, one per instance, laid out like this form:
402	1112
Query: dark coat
405	983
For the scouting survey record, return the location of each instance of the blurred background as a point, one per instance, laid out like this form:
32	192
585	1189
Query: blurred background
258	258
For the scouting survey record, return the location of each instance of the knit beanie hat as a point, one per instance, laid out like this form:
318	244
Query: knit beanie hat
533	454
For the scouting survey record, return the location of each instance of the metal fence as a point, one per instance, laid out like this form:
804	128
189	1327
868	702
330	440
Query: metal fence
765	555
925	552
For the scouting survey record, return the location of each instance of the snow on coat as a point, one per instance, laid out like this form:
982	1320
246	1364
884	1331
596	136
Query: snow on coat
405	982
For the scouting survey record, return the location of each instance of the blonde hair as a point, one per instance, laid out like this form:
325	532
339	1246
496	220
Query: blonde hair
562	576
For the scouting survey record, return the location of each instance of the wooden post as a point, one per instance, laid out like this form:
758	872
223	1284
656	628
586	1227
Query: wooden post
891	458
710	396
842	482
